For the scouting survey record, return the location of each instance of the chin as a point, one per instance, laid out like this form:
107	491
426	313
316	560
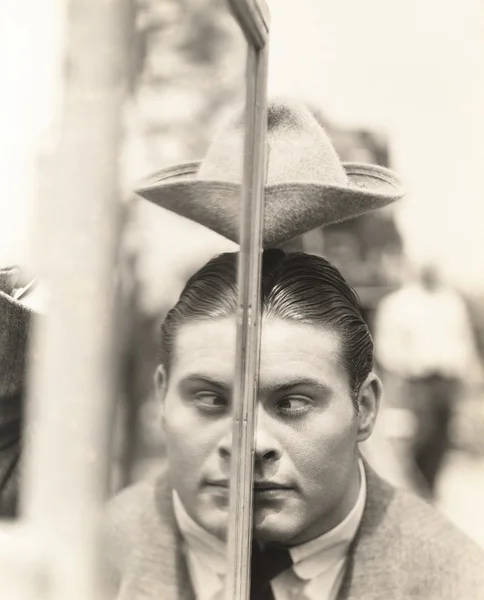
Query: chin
276	527
214	520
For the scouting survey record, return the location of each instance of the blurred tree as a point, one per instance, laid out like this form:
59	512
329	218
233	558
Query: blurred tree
188	75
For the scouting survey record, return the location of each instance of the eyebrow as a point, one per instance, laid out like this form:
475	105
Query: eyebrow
206	379
289	384
277	387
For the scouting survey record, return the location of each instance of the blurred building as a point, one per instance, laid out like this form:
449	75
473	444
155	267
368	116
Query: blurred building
368	250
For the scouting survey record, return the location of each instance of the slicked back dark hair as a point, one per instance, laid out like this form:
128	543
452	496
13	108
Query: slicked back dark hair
296	287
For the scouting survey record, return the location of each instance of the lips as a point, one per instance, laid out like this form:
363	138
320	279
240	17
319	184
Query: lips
266	486
259	486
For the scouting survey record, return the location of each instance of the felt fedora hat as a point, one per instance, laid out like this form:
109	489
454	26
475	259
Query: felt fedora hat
306	184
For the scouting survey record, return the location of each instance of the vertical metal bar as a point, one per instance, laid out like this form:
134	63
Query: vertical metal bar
76	231
253	18
237	584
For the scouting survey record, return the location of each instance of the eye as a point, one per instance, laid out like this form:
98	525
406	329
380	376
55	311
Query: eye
210	402
294	405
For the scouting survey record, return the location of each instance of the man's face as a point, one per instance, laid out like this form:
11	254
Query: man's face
306	468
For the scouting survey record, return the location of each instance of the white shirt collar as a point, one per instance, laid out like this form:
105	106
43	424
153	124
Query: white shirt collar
309	559
208	548
314	557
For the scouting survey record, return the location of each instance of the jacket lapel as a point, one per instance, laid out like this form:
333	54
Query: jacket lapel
372	571
372	568
159	570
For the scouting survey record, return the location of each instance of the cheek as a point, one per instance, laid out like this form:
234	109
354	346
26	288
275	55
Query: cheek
189	436
324	446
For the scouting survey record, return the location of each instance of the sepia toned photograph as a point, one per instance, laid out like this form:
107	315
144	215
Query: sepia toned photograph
241	300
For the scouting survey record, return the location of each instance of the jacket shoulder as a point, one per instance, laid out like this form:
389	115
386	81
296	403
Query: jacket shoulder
436	554
127	512
424	524
133	525
407	548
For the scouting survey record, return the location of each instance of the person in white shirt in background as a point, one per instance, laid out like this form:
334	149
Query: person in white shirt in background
426	349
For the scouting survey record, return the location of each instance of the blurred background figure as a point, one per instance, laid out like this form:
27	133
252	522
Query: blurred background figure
426	348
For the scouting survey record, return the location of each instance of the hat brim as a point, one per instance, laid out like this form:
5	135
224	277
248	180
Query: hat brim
291	209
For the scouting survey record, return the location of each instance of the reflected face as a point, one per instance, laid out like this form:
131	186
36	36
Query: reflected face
306	467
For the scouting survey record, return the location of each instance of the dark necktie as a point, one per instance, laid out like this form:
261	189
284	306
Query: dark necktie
265	566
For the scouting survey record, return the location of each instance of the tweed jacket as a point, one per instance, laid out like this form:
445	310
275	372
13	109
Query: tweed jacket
404	549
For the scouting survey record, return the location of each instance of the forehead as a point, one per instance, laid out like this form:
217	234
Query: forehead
288	349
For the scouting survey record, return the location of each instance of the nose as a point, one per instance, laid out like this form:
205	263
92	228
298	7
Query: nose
267	447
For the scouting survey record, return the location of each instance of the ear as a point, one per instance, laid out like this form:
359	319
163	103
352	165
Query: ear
369	402
161	383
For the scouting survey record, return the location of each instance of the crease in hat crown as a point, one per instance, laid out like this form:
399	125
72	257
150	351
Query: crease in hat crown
306	183
299	149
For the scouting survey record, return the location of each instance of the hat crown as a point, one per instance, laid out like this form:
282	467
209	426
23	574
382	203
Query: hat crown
306	184
298	150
